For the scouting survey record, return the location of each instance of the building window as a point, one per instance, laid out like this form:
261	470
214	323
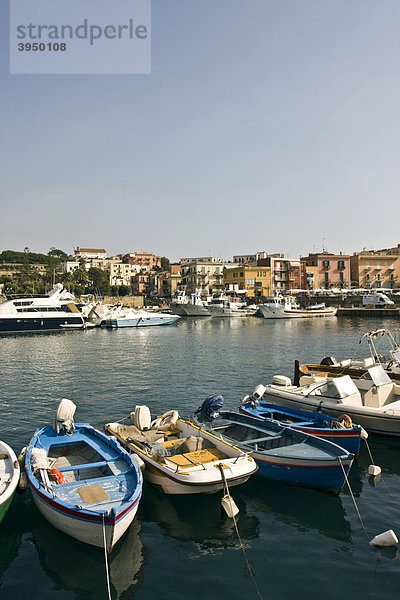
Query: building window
340	264
341	277
325	264
326	277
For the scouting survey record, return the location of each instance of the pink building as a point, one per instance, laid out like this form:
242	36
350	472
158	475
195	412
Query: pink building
330	270
144	259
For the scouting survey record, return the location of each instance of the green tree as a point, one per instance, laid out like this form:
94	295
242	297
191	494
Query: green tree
99	281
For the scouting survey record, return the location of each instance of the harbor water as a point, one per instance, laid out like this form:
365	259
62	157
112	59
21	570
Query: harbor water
300	543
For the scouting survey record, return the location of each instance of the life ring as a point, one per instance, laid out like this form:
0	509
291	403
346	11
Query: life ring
166	421
345	421
57	476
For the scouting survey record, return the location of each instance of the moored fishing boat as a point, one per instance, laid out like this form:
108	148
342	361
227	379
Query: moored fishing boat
83	482
372	401
341	431
282	453
9	477
388	357
190	305
181	458
279	307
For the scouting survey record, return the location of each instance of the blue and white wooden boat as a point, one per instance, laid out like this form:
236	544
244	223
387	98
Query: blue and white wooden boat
138	318
83	482
341	431
282	453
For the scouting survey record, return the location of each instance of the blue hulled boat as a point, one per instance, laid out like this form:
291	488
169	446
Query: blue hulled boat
282	453
83	482
340	431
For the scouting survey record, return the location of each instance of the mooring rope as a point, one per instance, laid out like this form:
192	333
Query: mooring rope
249	567
106	559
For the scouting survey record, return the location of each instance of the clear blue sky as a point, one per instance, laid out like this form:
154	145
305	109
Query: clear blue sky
265	125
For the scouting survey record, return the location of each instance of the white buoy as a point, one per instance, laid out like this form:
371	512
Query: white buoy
229	506
374	470
364	434
387	538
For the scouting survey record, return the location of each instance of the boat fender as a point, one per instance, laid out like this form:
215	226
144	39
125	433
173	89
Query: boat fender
345	421
57	476
166	421
364	434
23	481
139	461
21	456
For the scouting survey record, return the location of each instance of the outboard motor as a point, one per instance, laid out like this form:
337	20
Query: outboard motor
329	361
64	418
211	407
257	393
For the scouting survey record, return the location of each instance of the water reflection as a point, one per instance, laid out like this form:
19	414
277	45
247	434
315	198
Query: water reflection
302	508
74	566
198	518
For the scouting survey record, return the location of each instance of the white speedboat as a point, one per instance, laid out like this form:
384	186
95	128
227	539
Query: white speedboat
280	307
372	401
131	317
188	305
179	456
55	310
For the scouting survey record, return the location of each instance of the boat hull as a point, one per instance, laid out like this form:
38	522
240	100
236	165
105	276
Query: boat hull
379	423
84	527
38	323
189	310
9	478
142	321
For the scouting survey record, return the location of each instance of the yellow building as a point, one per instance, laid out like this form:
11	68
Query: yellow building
370	270
255	281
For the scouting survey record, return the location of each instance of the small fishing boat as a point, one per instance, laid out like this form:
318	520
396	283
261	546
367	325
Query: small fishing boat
9	477
282	453
373	400
188	305
341	431
180	457
82	481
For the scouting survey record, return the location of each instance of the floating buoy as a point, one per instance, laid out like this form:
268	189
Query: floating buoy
229	506
374	470
387	538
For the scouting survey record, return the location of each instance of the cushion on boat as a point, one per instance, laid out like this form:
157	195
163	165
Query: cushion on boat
132	433
191	444
91	494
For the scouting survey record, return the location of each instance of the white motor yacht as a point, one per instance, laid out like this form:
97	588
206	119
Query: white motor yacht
52	311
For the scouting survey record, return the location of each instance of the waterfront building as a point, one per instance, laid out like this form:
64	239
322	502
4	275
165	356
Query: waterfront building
169	281
374	269
88	253
249	259
332	270
204	274
143	259
254	281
